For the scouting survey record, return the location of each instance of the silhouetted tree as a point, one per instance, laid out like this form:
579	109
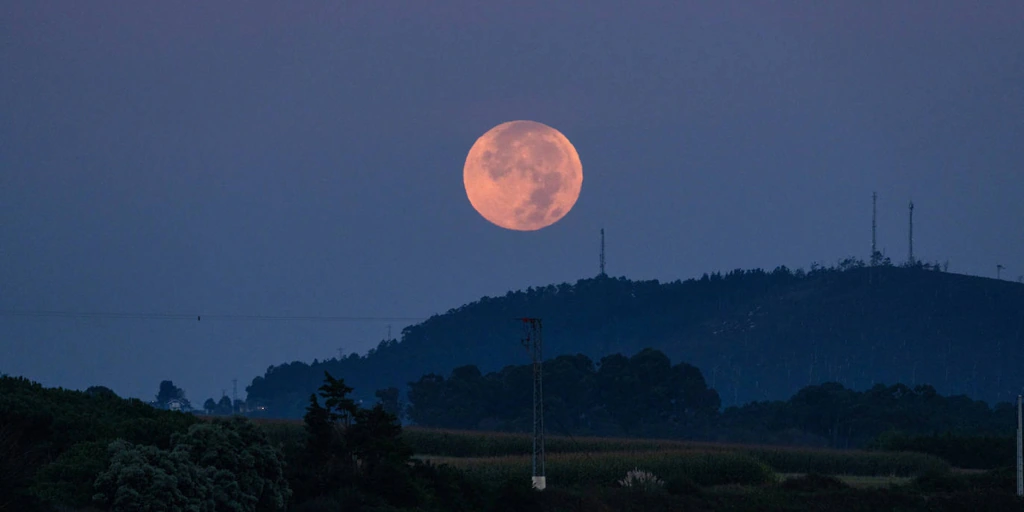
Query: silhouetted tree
168	391
100	392
375	438
389	400
337	400
224	405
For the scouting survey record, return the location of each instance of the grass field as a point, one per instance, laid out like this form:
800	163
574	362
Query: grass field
859	482
605	468
604	460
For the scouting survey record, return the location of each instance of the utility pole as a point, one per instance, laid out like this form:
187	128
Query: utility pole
533	341
602	274
1020	448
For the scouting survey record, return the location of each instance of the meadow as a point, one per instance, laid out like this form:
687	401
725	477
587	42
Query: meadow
493	456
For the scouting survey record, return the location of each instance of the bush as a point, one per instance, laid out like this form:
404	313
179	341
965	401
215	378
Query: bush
69	479
642	481
970	452
320	504
450	489
939	482
859	463
1001	479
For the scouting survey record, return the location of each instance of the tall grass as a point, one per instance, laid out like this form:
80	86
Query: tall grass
604	469
476	449
458	443
452	443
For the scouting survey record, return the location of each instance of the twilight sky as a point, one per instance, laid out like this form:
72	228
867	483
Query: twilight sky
305	158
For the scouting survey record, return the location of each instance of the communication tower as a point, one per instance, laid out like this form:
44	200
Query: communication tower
910	258
1020	447
602	274
534	343
874	228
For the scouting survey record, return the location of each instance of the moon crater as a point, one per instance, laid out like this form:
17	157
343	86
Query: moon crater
523	175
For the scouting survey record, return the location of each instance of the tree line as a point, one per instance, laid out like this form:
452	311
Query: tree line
645	395
642	395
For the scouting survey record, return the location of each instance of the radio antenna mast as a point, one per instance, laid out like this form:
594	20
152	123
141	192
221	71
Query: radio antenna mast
874	228
602	274
911	256
533	341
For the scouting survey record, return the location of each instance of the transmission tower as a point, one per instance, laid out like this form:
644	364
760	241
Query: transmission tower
911	236
1020	446
534	343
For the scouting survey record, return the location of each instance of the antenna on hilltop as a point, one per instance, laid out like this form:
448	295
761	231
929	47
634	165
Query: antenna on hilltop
533	342
911	235
602	274
874	228
999	271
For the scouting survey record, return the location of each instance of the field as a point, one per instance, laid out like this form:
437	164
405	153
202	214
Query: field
603	461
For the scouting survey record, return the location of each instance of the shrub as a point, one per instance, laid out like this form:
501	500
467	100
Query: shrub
644	481
939	482
974	452
840	462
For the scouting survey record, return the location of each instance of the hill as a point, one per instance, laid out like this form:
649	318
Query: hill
755	335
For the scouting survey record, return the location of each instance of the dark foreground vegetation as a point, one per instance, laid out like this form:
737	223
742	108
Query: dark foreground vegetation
756	335
66	450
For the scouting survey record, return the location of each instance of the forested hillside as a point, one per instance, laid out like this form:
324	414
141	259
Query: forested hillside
755	335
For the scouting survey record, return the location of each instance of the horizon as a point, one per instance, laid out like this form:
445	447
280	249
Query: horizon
244	382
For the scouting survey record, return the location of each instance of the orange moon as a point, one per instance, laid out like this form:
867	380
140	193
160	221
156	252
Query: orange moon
523	175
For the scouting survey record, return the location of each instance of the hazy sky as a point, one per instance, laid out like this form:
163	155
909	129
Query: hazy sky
305	158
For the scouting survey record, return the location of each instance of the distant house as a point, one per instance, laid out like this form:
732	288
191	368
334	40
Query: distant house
176	404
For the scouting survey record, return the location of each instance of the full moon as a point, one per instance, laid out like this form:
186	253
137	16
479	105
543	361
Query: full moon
523	175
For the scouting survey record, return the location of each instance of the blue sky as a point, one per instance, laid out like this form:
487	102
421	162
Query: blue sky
302	159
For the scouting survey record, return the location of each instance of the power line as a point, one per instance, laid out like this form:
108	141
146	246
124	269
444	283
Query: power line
200	317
